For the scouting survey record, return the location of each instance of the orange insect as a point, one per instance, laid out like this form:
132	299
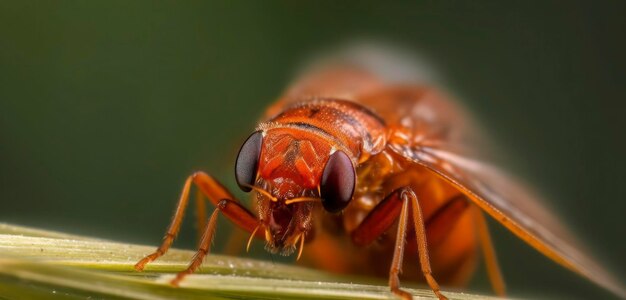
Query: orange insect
373	177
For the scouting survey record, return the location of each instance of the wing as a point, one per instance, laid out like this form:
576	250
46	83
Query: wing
513	206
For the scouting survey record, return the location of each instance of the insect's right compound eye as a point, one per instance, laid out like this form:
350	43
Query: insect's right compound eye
337	183
248	161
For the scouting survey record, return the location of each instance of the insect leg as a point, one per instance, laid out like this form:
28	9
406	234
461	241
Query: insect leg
212	190
386	212
203	248
378	220
172	230
491	261
396	207
398	254
229	208
420	232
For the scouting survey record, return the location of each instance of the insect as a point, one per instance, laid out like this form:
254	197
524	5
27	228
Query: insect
360	174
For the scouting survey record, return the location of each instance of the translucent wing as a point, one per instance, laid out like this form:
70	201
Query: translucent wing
513	206
432	131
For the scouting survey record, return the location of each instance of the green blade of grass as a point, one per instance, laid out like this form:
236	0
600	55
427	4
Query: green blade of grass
49	265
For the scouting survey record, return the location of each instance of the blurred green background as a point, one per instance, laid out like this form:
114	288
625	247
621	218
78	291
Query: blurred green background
105	107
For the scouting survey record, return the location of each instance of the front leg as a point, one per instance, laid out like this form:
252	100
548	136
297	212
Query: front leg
228	208
224	202
397	206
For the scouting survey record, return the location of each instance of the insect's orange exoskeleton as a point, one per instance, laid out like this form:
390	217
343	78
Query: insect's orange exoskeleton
358	174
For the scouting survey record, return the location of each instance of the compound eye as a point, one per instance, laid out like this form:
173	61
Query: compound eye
248	161
338	182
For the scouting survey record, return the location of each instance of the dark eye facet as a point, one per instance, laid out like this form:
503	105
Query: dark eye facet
248	161
338	182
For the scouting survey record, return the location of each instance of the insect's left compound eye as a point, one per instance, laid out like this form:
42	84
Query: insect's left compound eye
248	161
338	182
